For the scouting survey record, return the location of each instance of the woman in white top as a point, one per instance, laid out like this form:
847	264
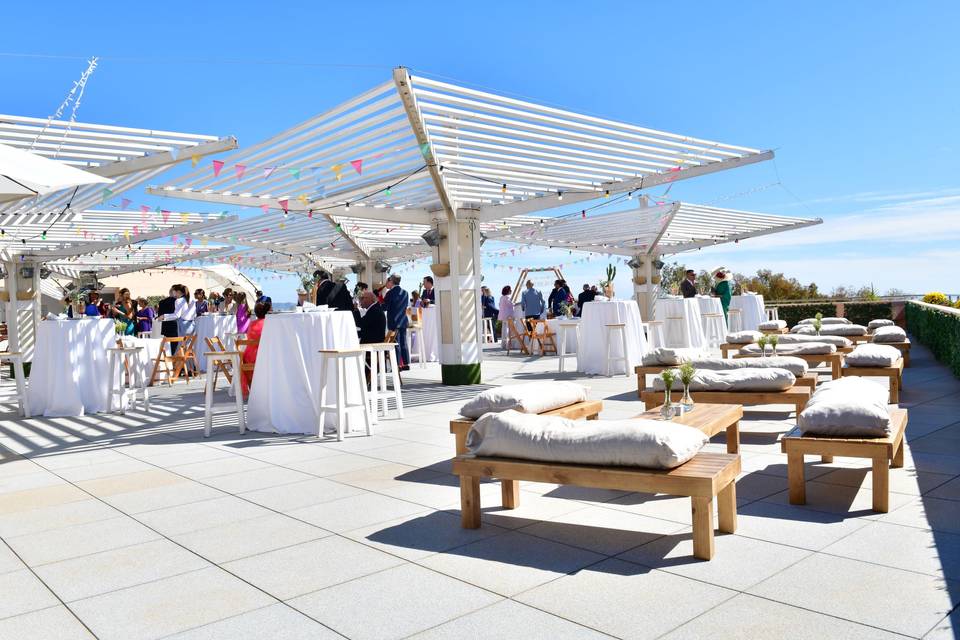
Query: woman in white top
506	312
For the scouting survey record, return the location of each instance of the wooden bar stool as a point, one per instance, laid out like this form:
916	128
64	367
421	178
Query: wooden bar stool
735	319
489	336
339	358
214	360
382	353
714	329
564	328
136	380
654	330
16	358
621	330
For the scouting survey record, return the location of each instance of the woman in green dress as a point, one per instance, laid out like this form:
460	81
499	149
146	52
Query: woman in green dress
723	290
125	311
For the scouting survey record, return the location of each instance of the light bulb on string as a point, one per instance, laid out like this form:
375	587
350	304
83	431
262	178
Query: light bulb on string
606	194
503	189
387	192
559	195
347	206
630	195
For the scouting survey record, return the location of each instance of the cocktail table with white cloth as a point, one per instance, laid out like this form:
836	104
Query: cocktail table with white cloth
211	325
430	321
752	312
70	374
285	393
687	332
592	352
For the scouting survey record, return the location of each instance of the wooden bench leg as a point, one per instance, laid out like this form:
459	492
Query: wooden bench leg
594	416
702	527
510	490
894	389
733	438
649	404
897	461
727	508
795	480
826	459
469	502
881	485
835	368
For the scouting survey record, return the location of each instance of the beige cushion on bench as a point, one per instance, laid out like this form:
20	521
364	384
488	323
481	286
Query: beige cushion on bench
743	337
827	320
535	397
873	325
796	366
848	407
872	355
832	330
668	356
628	443
772	325
800	349
889	334
798	338
746	379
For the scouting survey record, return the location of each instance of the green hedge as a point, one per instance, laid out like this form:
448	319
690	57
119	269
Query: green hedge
795	313
939	331
864	312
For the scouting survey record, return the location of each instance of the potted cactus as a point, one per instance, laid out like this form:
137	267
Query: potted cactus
607	285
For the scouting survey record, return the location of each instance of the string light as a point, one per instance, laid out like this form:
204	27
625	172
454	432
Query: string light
630	195
503	189
559	195
347	205
606	194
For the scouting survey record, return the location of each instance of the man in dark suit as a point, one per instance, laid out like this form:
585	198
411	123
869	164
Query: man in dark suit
323	288
372	322
689	285
396	301
428	294
585	296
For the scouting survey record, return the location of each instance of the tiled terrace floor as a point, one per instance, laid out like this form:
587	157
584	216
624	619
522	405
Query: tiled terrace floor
136	527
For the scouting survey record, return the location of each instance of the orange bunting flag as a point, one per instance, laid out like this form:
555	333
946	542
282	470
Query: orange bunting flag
284	204
302	198
194	160
217	167
337	171
240	169
357	165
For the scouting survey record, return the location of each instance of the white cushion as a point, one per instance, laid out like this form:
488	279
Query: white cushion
743	337
772	325
796	366
667	356
849	407
535	397
876	324
746	379
624	443
827	320
797	338
799	349
890	334
872	355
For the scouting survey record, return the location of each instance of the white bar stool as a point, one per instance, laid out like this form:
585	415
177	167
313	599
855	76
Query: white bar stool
233	357
714	329
382	353
145	334
562	337
735	320
489	336
416	329
679	324
772	313
339	358
118	357
16	358
620	329
654	329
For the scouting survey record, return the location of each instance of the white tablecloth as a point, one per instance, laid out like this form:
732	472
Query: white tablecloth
69	375
686	332
208	326
710	304
752	311
592	355
554	324
285	390
430	318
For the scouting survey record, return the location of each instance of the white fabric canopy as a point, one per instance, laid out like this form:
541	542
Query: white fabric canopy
23	174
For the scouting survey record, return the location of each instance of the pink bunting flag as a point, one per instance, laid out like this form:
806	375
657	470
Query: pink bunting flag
136	230
265	207
357	165
284	204
188	242
240	170
165	214
124	203
217	167
144	209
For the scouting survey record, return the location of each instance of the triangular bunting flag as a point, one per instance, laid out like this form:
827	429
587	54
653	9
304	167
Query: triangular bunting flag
265	207
302	198
144	209
217	166
295	172
184	217
165	214
425	149
240	169
124	203
194	160
357	165
105	195
267	171
284	204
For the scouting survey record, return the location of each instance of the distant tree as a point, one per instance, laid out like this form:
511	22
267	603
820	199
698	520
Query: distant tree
775	286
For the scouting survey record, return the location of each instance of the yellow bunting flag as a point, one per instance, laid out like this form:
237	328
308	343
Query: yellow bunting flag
195	160
184	217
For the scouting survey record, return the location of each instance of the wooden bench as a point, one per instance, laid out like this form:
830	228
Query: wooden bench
775	332
642	371
711	419
894	374
460	426
703	478
835	360
796	395
884	452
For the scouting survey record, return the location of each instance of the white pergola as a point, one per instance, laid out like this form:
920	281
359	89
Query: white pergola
416	154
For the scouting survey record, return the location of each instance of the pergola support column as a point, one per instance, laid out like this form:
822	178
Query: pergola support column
458	298
646	282
22	307
368	274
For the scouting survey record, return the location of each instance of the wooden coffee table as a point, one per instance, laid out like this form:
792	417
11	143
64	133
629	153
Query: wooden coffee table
711	419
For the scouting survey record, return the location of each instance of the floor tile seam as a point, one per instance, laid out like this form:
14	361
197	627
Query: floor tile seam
941	575
51	591
237	615
950	478
945	618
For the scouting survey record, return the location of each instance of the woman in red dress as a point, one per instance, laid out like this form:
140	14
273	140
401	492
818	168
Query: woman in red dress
261	309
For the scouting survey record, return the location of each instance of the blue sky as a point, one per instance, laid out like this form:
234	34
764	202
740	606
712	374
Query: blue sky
858	99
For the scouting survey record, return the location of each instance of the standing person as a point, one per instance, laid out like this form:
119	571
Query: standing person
531	302
489	307
200	302
243	312
415	300
396	301
301	297
68	306
339	297
506	314
187	312
92	309
585	296
428	295
370	318
558	297
723	290
145	316
229	305
688	287
321	290
125	311
261	309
